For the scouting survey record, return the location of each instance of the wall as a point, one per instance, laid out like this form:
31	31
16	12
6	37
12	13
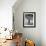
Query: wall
43	22
28	6
6	13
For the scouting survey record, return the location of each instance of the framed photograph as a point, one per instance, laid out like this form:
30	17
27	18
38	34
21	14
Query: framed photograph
13	22
29	19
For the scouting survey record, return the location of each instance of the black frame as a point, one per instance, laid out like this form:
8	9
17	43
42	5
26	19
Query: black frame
34	14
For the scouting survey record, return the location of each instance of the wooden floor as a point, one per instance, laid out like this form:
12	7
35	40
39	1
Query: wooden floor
9	43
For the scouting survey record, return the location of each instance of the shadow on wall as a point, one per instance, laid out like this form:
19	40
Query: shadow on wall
12	44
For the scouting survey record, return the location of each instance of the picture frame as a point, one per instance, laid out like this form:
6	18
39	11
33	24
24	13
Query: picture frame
13	22
29	19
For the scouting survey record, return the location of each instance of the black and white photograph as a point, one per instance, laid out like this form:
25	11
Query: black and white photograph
29	19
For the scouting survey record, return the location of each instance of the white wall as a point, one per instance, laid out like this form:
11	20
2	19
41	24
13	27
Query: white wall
43	22
29	6
6	13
